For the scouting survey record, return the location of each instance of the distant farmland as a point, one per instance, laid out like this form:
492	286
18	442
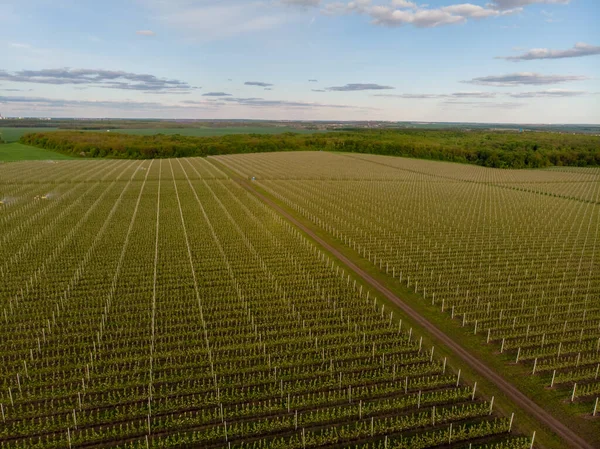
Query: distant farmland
14	134
12	152
200	132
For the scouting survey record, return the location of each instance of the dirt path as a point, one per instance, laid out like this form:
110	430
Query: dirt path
520	399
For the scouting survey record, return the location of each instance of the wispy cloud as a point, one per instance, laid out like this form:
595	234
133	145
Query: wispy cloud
43	102
110	79
216	94
457	96
19	45
257	83
483	104
508	4
358	87
580	49
438	96
340	8
550	93
283	104
203	20
145	33
473	95
15	90
313	81
62	103
305	3
523	78
412	96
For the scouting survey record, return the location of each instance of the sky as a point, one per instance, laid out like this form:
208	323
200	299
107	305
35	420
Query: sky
496	61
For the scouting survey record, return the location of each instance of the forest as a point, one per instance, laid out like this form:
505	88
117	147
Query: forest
486	148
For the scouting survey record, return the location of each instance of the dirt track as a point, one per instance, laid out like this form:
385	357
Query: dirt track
520	399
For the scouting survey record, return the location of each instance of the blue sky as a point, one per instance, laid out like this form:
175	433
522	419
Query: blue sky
524	61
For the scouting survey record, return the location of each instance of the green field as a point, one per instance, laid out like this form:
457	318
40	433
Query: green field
158	303
490	254
165	303
14	134
12	152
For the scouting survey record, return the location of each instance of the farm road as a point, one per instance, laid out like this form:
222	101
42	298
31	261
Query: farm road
520	399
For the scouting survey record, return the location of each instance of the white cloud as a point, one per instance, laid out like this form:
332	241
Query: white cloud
424	18
580	49
209	20
145	33
434	17
404	4
402	12
471	11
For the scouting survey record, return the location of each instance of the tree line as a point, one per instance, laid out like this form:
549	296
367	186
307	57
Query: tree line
486	148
